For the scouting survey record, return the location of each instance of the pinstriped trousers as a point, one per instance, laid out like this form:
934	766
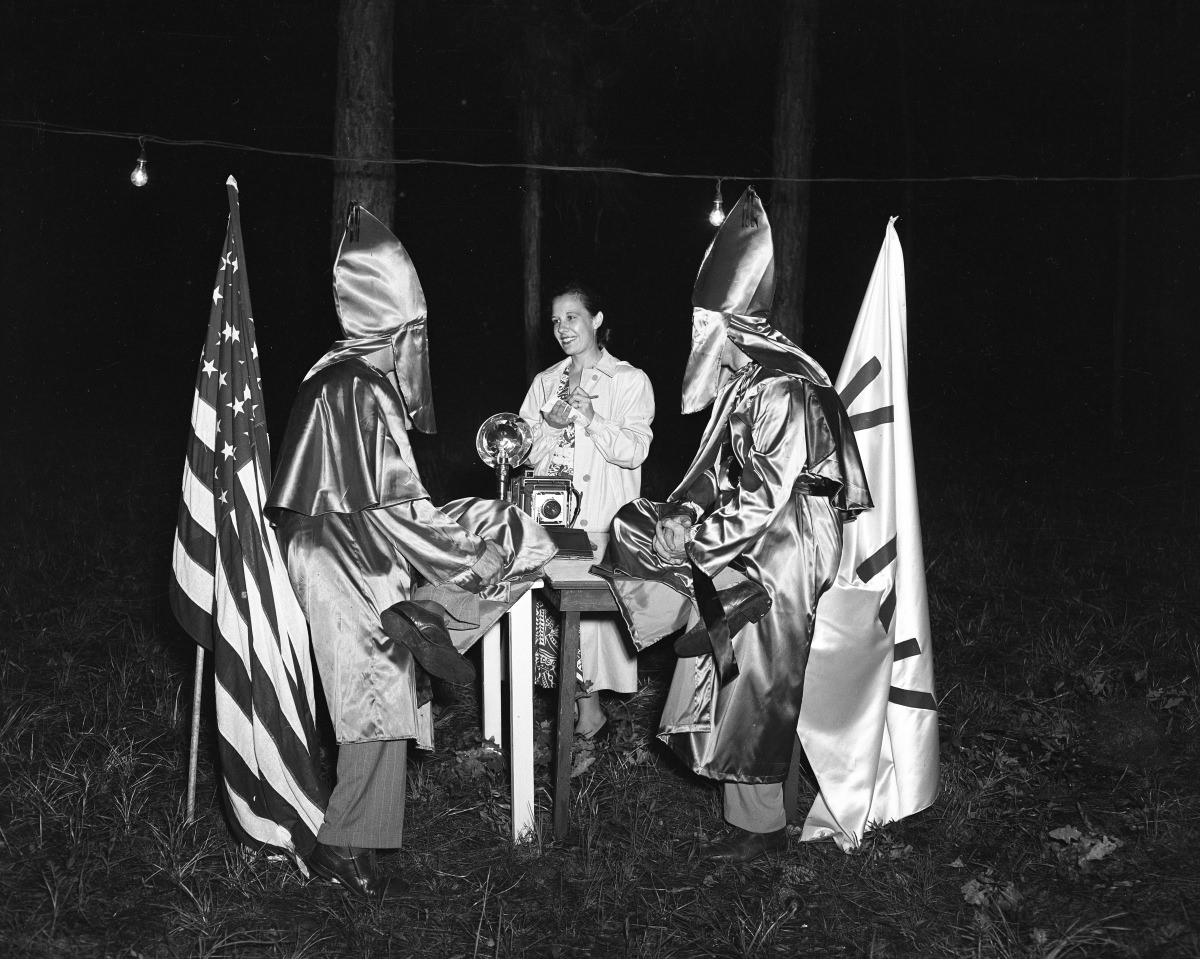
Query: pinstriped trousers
366	808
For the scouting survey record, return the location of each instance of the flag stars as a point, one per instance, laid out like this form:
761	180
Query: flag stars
231	333
237	406
228	451
217	295
208	367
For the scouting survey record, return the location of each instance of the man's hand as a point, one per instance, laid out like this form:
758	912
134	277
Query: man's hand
671	535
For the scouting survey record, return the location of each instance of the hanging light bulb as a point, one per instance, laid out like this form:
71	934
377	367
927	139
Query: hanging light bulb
139	176
717	217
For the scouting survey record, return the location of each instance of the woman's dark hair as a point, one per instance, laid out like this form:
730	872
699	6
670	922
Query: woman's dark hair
590	300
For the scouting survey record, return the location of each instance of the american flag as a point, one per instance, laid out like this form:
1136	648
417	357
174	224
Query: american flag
230	588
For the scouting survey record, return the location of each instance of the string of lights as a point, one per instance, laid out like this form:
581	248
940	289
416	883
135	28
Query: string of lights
140	175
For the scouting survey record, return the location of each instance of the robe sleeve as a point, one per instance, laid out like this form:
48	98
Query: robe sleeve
623	438
431	542
775	460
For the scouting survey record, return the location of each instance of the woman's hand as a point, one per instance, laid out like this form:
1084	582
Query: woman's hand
558	416
581	400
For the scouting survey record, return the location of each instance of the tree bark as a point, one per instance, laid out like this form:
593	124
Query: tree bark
531	234
364	112
793	159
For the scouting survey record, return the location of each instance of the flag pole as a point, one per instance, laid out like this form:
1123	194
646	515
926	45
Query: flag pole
197	689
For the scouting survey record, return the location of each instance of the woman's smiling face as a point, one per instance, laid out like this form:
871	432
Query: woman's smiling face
574	327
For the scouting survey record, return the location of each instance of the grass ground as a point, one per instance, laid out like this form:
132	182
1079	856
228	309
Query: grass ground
1068	823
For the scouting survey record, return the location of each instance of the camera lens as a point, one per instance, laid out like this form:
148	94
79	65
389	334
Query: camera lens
551	509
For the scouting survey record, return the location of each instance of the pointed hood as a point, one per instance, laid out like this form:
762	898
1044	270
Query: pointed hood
380	303
731	301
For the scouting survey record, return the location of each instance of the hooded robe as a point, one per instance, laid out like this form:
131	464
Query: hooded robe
776	475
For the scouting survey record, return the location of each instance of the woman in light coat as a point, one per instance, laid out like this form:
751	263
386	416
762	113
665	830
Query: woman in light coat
598	435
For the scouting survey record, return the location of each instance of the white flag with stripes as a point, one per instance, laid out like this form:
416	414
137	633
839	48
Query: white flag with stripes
869	721
230	588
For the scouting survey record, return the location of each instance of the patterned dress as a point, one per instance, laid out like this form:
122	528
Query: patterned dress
545	623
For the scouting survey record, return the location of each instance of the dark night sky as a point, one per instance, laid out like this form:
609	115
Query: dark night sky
1013	286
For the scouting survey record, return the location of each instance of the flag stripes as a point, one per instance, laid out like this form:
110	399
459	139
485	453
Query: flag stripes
876	741
910	647
865	421
860	381
877	561
912	698
230	590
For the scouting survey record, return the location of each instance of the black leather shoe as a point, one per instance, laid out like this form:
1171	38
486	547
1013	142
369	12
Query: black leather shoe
422	630
738	845
355	870
747	602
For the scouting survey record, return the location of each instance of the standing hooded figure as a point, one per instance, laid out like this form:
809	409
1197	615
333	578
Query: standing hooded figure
393	587
747	542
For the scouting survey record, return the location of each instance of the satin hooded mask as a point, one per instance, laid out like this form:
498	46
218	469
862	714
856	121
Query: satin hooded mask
380	303
730	303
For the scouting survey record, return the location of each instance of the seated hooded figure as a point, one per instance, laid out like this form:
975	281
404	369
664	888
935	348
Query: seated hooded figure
394	589
746	544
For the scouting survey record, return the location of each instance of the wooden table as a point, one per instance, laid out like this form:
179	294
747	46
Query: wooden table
517	622
570	589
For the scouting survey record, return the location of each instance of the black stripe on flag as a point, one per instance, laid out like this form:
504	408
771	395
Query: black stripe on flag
887	609
861	380
910	647
912	698
877	561
864	421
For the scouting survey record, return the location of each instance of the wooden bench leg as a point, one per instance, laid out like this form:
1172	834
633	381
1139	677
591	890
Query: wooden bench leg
520	715
490	652
568	656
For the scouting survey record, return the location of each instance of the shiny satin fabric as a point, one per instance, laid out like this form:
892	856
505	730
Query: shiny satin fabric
772	440
346	448
360	534
830	450
347	568
473	610
380	302
737	274
741	730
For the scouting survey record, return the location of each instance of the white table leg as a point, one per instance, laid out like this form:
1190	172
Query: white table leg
491	686
520	704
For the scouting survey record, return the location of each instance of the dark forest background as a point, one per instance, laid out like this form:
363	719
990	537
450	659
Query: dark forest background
1052	313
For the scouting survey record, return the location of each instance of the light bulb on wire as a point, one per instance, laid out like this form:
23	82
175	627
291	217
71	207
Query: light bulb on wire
139	176
717	216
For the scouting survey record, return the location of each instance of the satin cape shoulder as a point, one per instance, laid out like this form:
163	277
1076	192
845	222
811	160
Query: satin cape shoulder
342	449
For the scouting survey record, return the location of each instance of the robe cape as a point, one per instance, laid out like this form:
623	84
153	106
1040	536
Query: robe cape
776	475
345	456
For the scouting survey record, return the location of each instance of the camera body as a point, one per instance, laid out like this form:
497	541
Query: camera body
550	500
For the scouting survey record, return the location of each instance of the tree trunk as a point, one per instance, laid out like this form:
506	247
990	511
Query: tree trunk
531	239
364	112
793	159
1117	425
